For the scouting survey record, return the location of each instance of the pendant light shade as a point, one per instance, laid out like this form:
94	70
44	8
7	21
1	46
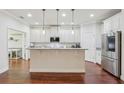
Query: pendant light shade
57	11
43	20
72	21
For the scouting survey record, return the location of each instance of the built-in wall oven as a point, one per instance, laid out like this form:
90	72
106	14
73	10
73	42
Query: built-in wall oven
111	53
111	43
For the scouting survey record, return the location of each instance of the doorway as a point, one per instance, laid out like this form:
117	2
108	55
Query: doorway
16	45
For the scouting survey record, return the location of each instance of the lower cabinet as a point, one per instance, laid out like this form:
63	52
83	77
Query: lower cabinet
98	56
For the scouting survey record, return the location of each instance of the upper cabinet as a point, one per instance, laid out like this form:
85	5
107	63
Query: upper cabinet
107	25
35	35
122	20
112	24
116	22
65	35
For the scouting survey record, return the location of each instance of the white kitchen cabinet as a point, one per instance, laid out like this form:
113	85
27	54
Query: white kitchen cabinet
77	36
32	37
35	35
90	55
107	25
116	22
65	35
98	56
112	24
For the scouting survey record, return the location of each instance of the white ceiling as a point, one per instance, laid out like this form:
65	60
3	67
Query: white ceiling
80	15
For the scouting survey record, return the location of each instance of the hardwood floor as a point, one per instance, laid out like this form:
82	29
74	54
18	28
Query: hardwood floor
19	74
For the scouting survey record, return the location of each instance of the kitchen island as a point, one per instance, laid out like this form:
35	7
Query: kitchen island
57	60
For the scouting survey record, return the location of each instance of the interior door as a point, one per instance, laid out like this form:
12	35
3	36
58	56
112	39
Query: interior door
90	54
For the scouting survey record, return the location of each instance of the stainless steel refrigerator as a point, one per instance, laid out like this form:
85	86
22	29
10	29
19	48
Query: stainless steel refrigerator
111	53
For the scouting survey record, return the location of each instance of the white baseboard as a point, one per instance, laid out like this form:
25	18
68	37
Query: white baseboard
3	70
122	77
58	71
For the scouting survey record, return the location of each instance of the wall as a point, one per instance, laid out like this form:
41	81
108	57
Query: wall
14	43
5	23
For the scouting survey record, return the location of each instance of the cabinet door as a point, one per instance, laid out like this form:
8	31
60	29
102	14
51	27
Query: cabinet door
98	56
108	25
77	36
35	35
32	37
115	22
67	36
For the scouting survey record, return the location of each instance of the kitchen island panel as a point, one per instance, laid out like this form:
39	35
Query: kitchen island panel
57	60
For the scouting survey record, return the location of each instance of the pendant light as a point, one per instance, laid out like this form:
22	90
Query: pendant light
43	20
72	21
57	19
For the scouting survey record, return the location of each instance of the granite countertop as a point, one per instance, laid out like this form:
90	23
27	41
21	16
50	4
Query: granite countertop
56	49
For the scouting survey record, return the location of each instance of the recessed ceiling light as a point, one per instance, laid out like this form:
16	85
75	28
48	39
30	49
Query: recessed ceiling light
29	15
91	15
36	23
63	14
62	23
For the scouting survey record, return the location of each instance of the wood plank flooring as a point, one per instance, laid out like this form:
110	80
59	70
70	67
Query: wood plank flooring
19	74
